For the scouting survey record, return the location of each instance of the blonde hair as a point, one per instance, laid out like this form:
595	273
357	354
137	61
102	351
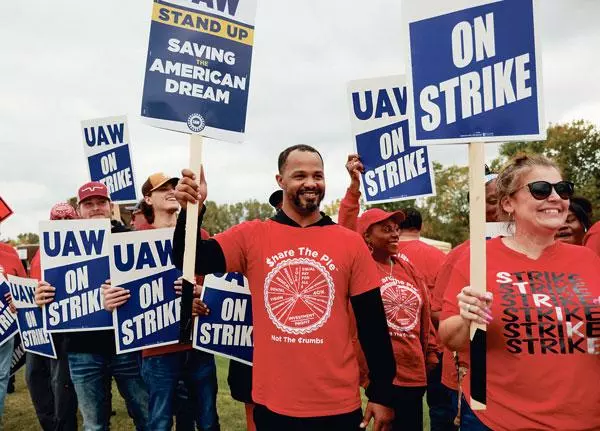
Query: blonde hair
509	178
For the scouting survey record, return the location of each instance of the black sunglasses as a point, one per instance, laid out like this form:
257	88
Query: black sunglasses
540	190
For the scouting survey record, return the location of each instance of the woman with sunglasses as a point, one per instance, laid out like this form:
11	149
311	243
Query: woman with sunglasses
405	299
541	309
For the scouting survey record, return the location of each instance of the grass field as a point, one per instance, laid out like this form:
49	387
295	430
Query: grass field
20	415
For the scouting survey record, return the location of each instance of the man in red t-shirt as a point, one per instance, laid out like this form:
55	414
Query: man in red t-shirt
302	269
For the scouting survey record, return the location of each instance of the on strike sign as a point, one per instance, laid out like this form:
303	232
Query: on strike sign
474	70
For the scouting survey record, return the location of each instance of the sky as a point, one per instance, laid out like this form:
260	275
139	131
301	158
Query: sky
68	61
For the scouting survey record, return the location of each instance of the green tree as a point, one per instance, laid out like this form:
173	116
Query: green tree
221	217
575	147
27	238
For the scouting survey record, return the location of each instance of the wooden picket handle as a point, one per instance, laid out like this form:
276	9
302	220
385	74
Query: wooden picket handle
191	237
478	349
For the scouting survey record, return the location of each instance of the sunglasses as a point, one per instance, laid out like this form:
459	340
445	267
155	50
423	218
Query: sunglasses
540	190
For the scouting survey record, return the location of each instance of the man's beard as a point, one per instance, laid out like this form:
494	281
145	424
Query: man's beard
309	206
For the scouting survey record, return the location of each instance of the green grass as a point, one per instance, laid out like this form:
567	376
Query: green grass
20	415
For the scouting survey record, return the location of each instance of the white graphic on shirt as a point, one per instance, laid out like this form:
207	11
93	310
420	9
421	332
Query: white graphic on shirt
299	295
402	304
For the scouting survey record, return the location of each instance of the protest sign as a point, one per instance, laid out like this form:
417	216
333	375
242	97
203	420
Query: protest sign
34	337
8	321
5	210
18	356
198	67
74	259
141	263
106	146
227	330
474	71
378	115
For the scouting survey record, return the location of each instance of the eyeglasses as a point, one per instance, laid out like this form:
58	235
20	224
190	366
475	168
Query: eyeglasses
540	190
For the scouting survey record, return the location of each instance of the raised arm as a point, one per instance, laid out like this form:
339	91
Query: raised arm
349	207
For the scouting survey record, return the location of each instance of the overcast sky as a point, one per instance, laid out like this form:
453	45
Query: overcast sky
66	61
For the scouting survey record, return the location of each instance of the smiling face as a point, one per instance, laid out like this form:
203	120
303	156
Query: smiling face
491	202
572	231
383	237
163	199
94	207
303	182
532	216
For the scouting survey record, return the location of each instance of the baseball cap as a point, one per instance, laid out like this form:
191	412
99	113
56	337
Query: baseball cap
62	210
92	189
155	181
375	215
276	198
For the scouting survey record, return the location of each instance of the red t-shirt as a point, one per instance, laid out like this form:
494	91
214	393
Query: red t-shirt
35	269
449	372
10	264
543	346
8	248
426	258
592	238
301	280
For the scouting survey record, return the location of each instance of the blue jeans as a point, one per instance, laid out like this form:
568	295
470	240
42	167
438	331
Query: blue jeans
442	410
468	420
162	374
6	352
91	374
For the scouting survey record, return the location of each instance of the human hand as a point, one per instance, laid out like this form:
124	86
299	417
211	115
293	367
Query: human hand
9	301
114	296
188	190
199	308
44	293
382	417
178	286
354	167
475	306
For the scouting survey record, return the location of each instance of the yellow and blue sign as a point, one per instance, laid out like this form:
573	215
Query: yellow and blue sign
474	71
394	170
198	67
227	330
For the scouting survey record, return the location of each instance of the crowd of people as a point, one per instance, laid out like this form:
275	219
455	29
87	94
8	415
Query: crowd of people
359	303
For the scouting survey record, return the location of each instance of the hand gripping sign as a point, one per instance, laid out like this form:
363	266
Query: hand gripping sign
34	337
74	259
8	321
198	67
227	330
393	170
106	146
474	71
141	262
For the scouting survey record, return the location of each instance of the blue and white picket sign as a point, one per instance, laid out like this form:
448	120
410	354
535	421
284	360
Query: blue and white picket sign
107	147
34	337
198	67
394	170
474	71
74	256
227	330
8	321
141	262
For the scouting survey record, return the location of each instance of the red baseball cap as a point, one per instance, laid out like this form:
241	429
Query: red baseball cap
92	189
62	210
375	215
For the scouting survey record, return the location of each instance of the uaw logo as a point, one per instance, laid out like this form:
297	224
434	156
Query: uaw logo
196	123
299	295
402	304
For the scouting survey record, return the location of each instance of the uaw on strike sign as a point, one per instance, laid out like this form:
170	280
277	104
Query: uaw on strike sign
106	146
394	170
74	257
474	71
198	66
141	263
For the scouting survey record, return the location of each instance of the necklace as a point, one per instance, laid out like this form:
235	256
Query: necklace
381	265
